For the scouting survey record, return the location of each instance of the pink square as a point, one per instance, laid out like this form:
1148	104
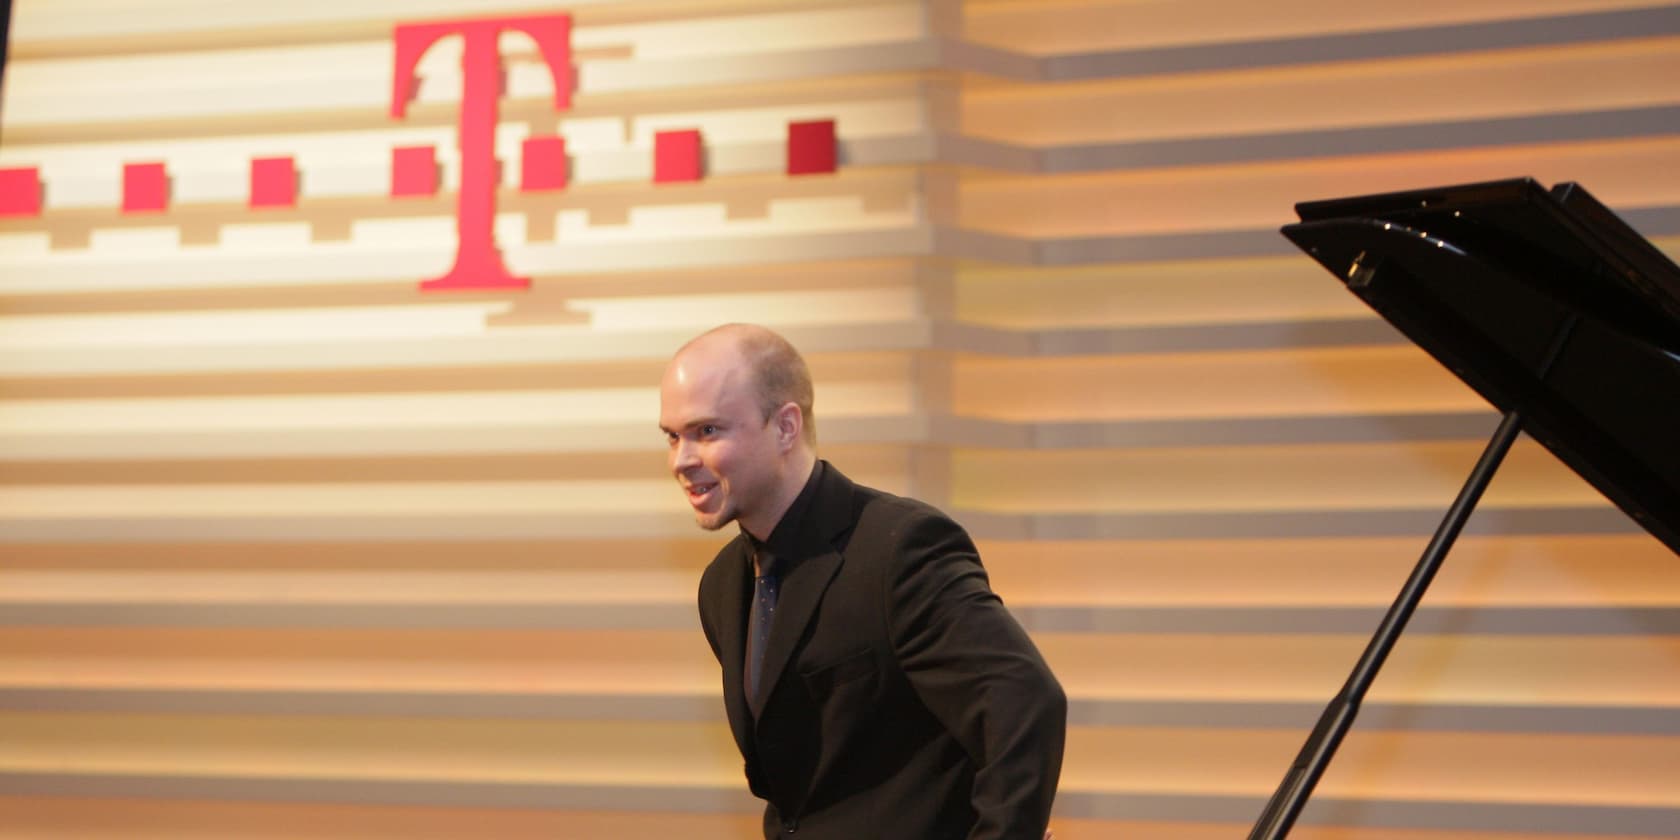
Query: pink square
20	191
145	188
273	182
810	147
414	171
676	156
542	164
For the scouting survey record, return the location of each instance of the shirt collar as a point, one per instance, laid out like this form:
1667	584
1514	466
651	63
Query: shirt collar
777	553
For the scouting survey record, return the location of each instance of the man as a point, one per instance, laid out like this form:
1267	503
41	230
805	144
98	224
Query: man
876	686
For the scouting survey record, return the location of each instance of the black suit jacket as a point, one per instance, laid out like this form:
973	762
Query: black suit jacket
902	700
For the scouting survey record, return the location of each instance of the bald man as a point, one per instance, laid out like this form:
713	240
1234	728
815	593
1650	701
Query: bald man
877	688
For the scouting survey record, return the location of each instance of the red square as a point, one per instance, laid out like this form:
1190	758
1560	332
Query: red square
676	156
273	182
145	188
414	171
810	147
542	164
20	191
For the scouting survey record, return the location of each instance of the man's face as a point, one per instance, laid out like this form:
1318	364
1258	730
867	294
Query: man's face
722	450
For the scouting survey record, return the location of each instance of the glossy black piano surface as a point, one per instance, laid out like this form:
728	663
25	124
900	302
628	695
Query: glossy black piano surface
1494	279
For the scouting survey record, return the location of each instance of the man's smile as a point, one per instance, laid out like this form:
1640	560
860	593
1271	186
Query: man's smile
698	493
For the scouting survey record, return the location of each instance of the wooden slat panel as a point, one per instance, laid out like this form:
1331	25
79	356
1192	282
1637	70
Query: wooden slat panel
292	549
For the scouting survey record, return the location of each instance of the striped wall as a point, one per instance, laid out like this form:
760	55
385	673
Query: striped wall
292	549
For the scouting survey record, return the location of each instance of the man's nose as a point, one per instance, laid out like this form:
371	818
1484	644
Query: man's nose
683	455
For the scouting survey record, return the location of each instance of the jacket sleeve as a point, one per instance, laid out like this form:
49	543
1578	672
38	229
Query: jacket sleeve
975	668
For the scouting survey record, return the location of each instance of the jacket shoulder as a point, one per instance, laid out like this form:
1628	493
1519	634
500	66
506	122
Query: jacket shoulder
883	515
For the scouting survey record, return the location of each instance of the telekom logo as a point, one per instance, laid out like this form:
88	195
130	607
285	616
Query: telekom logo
478	263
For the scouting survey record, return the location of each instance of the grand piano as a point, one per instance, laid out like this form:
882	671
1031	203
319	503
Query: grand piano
1555	311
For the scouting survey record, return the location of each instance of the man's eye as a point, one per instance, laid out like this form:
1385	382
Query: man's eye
708	430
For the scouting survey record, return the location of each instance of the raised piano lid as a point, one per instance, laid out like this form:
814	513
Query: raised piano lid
1487	278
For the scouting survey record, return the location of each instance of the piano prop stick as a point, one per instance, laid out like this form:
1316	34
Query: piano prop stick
1555	311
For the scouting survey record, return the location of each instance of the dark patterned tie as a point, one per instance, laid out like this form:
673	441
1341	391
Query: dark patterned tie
766	589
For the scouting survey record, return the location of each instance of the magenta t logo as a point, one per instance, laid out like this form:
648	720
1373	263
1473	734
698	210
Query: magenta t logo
478	263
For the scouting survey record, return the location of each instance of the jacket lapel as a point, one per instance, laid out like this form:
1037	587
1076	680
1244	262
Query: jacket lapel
803	586
735	585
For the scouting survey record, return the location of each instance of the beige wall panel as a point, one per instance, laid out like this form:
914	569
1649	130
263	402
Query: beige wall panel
269	513
1258	478
1155	294
1633	570
636	365
1187	292
132	819
136	819
553	752
1486	571
440	318
274	586
724	243
46	28
626	553
1527	670
703	214
96	96
1509	83
351	163
1065	26
646	457
462	411
511	662
351	174
1530	670
1625	174
127	456
1296	382
346	499
1455	767
1092	829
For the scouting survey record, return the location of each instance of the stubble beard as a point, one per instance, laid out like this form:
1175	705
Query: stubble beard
725	514
714	521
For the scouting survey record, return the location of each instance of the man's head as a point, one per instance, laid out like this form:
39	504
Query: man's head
735	406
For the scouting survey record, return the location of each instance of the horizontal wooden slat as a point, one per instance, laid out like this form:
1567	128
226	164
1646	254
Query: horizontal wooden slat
1452	766
703	706
186	455
679	614
1131	808
1622	172
1491	772
515	358
1633	570
139	819
606	524
185	25
1089	25
1256	478
1486	86
1543	670
1298	382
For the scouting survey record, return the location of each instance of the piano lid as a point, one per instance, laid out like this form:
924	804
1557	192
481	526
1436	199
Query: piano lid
1495	279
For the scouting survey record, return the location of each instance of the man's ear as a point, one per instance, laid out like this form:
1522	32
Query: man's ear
790	424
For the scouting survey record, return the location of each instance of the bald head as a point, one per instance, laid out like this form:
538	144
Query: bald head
774	370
